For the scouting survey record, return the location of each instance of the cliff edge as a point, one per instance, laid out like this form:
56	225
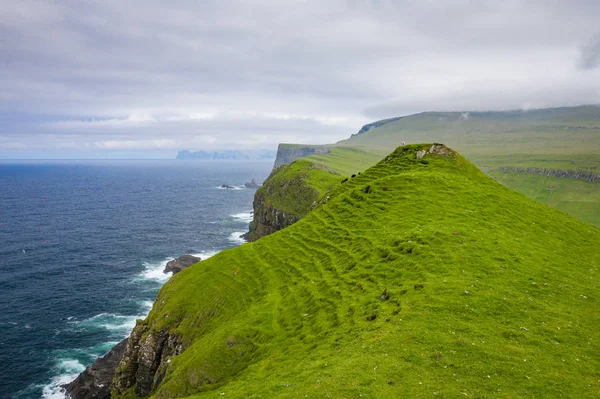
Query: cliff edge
287	195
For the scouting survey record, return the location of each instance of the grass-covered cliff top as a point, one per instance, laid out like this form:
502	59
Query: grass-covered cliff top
418	278
293	188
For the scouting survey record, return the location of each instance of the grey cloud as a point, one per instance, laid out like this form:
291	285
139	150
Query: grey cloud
482	97
298	70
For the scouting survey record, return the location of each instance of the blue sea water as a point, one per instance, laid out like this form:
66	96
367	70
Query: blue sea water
82	248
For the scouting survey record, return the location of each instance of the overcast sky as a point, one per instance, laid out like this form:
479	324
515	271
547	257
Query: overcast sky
147	78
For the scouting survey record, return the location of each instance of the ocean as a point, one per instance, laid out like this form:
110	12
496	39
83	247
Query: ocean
82	249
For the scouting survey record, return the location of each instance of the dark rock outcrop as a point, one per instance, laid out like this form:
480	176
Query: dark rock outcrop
267	218
227	186
281	201
146	359
251	184
178	264
95	382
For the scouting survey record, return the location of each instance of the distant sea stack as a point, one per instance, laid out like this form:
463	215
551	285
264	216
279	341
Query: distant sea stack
227	155
251	184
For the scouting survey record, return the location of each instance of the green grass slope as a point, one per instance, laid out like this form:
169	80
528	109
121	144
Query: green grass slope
294	187
555	138
347	160
574	197
418	278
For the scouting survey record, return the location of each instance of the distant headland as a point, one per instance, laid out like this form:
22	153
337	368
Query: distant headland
227	155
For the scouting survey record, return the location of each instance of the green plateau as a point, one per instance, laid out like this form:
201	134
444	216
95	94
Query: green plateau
422	276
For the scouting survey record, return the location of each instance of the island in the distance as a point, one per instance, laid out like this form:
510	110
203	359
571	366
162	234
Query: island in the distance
227	155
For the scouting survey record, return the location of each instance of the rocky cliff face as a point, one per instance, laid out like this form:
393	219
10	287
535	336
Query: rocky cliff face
287	154
145	361
267	218
284	198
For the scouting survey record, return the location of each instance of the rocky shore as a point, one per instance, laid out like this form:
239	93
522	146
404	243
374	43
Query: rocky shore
96	381
178	264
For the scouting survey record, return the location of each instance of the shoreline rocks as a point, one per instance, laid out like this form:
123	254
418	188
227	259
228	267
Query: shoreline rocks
95	382
178	264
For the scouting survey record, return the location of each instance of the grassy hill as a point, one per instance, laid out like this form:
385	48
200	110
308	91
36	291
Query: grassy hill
417	278
558	138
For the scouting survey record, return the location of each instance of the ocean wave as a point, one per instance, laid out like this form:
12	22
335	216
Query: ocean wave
205	255
119	324
154	270
245	217
147	306
231	188
235	237
67	370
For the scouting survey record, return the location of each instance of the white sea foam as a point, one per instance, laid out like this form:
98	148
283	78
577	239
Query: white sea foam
235	237
245	217
205	254
67	370
154	271
147	306
121	325
231	188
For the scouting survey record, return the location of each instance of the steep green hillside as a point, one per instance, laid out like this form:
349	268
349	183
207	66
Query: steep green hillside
417	278
292	190
574	197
